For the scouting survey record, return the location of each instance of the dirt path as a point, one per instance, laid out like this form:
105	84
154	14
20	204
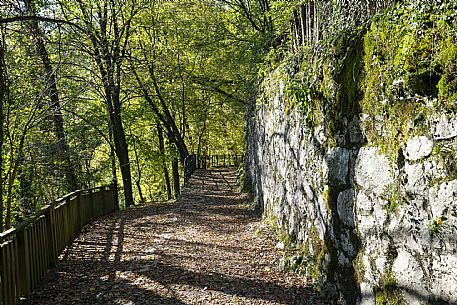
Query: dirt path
201	250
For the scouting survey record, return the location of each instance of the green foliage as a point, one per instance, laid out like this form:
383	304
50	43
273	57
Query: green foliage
436	224
395	69
244	179
447	85
305	99
389	293
394	198
409	59
205	60
297	256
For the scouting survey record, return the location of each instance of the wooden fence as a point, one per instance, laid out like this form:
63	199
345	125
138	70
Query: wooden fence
31	248
218	161
193	162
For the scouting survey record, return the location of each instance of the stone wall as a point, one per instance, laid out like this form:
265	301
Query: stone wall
379	230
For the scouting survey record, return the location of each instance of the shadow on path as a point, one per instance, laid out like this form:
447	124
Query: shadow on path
201	250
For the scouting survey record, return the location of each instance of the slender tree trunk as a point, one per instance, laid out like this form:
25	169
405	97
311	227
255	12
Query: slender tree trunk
112	156
59	130
302	19
108	51
200	137
2	99
164	115
138	169
140	191
122	155
164	163
138	180
176	186
183	97
14	163
183	107
170	122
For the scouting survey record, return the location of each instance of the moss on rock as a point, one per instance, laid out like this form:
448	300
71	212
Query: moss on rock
389	293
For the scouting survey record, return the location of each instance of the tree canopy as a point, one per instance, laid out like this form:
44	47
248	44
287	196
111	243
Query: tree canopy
97	92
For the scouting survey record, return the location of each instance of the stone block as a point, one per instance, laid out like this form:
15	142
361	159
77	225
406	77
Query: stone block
373	172
416	184
345	207
418	148
443	199
336	165
444	277
367	294
445	127
410	277
355	132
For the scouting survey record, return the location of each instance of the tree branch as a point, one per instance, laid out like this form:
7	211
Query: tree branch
39	18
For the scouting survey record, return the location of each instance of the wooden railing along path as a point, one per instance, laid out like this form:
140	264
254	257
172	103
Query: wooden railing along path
193	162
31	248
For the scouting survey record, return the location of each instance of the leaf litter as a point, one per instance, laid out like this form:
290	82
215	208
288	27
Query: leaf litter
203	249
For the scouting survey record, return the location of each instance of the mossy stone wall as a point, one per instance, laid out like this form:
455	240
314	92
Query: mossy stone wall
354	151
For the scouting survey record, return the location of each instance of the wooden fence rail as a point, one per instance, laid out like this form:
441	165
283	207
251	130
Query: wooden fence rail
218	160
193	162
32	247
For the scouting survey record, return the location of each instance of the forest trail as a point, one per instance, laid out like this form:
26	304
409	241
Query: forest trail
203	249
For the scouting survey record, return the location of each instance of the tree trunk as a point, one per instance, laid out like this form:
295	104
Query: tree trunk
123	156
2	99
14	163
200	137
164	115
164	163
175	167
169	121
112	156
138	169
50	76
183	98
109	61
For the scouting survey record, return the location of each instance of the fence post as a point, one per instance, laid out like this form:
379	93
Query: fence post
102	202
2	302
7	273
16	275
190	164
24	268
91	204
79	211
50	227
76	217
107	200
67	220
115	195
186	169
